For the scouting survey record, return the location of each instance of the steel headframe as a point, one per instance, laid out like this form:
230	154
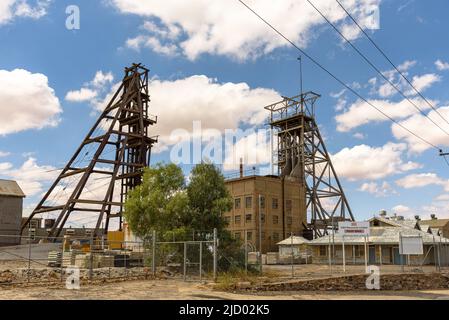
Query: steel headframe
121	149
300	154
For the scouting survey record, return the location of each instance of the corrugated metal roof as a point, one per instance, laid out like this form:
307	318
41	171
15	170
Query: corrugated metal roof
436	223
296	240
381	235
10	188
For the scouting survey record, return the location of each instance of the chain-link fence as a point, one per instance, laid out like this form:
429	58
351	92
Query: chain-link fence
36	260
202	256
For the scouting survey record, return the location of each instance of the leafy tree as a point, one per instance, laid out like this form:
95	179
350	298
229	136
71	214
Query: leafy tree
163	202
208	197
159	202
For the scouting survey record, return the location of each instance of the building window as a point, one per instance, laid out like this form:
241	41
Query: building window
228	220
274	203
289	221
275	219
262	202
275	236
262	217
323	251
247	218
249	235
249	202
237	235
288	206
237	219
237	203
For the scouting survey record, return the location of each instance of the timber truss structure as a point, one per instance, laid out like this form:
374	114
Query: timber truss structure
299	153
109	162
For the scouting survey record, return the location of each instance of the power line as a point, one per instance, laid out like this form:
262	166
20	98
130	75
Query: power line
338	79
377	69
389	60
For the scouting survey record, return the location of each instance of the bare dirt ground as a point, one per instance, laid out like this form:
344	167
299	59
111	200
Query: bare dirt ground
180	290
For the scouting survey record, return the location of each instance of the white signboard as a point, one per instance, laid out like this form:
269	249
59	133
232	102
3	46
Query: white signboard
411	245
353	228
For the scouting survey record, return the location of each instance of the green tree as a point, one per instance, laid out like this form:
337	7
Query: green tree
208	197
164	203
159	203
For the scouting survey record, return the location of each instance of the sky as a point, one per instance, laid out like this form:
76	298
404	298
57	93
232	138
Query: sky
216	64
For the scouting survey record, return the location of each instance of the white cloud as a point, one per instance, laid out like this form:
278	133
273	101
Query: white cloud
101	79
406	65
253	149
423	82
5	166
377	189
83	94
227	28
442	197
401	209
385	88
4	154
442	65
27	102
216	105
30	176
420	180
366	162
152	43
361	113
422	126
10	9
92	89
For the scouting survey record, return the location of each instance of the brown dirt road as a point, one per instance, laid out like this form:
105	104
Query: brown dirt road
179	290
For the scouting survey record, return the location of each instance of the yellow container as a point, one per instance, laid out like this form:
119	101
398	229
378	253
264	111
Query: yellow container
116	239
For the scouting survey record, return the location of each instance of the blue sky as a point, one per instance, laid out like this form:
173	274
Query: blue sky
235	67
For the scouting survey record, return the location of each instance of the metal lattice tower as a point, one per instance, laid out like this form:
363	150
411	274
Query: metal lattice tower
119	149
300	154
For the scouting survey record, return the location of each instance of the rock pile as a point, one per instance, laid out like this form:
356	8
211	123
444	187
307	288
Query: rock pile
408	281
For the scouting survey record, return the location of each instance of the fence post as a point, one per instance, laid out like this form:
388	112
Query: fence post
91	259
329	252
344	254
29	252
292	257
246	252
62	262
153	257
185	259
215	254
435	254
201	260
439	256
125	262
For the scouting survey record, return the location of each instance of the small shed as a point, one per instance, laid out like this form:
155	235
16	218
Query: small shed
11	205
295	246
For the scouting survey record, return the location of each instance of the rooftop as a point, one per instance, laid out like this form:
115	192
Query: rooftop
436	223
384	234
10	188
296	240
